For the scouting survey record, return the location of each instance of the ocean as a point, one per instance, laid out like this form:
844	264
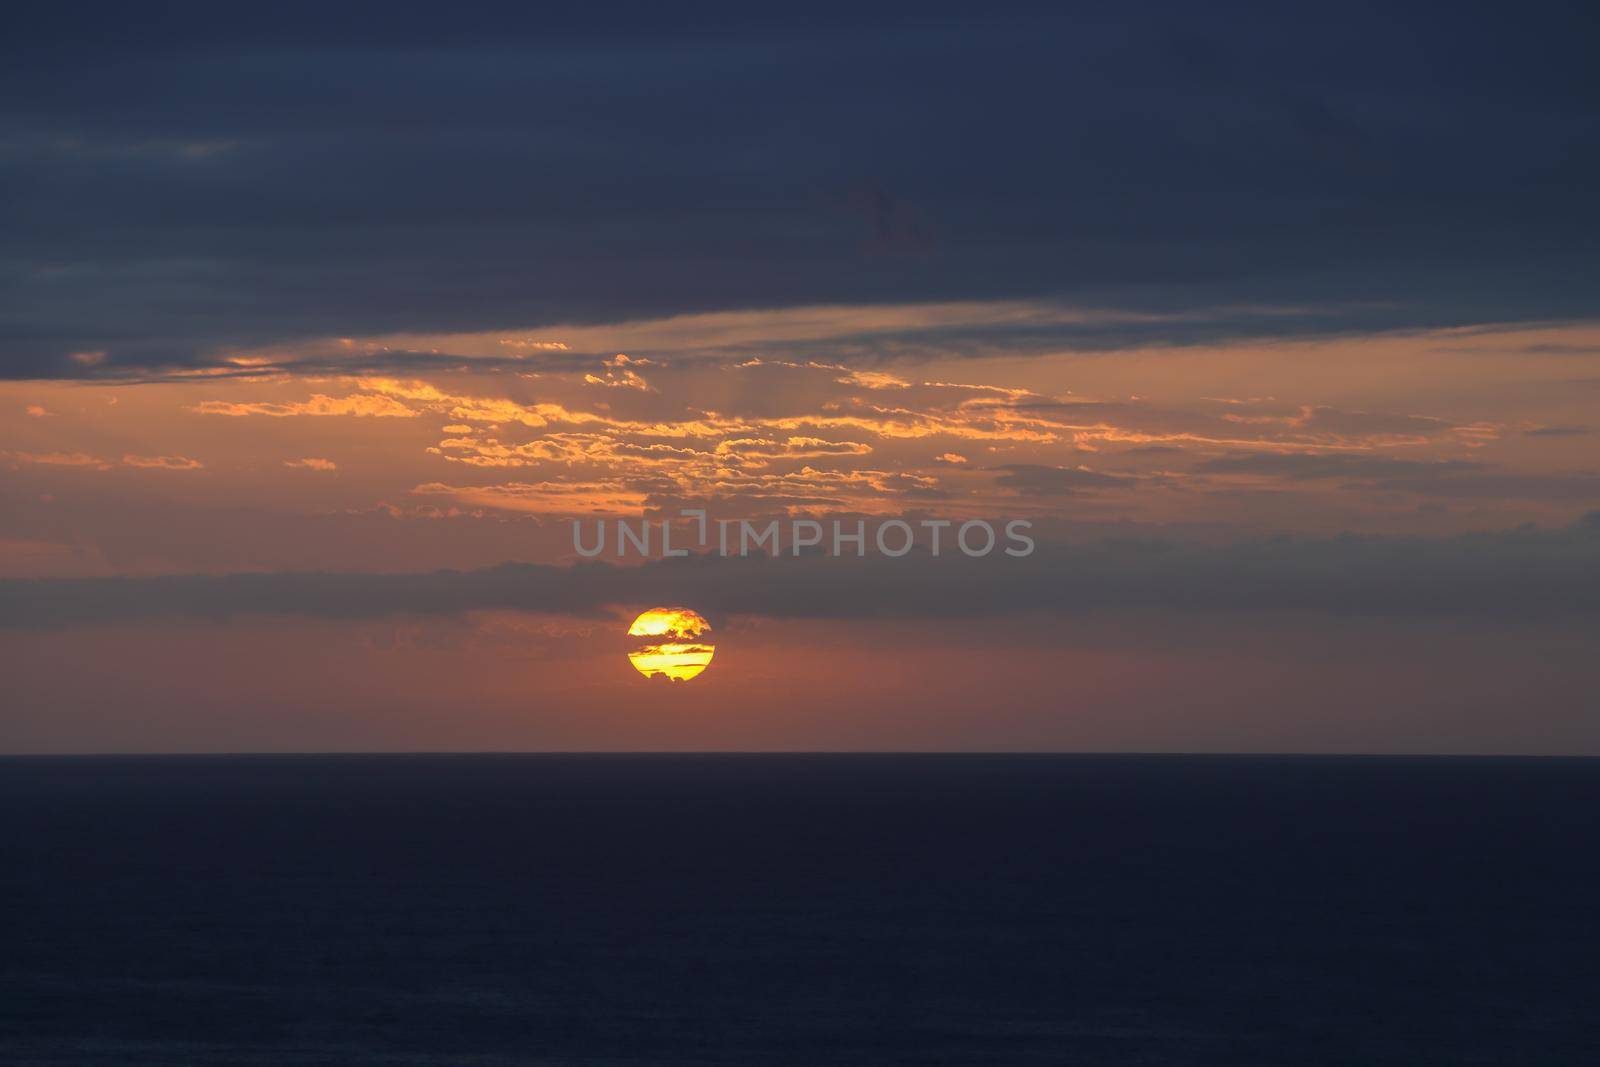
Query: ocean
799	909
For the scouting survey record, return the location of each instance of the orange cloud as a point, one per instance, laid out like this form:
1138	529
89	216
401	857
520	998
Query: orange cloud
59	459
755	448
319	405
529	345
165	463
542	497
623	379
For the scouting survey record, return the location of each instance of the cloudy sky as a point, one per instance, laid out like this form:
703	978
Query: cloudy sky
319	330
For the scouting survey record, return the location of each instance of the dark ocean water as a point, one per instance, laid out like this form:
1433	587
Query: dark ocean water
485	910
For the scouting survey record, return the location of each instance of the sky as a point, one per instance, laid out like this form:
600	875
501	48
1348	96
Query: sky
319	330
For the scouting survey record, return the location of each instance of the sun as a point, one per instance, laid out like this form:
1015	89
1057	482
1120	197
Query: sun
677	643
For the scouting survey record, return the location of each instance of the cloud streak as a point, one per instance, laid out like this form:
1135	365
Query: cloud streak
1518	574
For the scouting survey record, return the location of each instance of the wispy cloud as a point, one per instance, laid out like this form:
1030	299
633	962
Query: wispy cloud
362	405
164	463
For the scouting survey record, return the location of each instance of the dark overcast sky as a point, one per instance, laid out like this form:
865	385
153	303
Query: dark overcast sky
175	179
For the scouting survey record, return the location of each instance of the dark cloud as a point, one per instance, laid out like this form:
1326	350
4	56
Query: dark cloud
1308	467
1518	574
1562	488
1447	478
1359	423
189	177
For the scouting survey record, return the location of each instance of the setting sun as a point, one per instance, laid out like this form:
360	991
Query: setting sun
675	648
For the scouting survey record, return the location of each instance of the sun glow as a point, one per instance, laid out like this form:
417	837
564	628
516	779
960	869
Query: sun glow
676	649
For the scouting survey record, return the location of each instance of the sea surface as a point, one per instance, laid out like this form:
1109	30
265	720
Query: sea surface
851	910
